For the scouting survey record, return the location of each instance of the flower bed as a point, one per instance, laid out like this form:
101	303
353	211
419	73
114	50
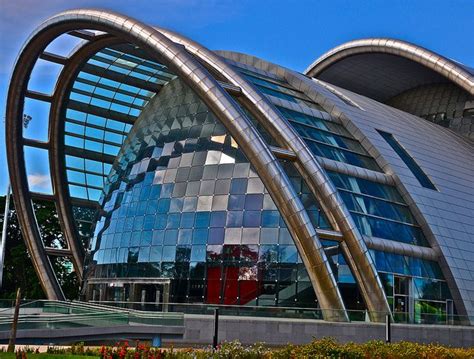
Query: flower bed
322	348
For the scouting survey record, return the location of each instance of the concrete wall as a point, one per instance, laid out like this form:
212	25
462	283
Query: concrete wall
199	330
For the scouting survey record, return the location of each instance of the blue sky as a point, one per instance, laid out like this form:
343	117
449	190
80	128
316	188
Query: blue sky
290	33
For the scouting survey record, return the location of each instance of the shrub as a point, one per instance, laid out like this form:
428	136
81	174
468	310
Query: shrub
318	348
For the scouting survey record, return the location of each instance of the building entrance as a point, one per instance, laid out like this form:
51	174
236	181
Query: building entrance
137	293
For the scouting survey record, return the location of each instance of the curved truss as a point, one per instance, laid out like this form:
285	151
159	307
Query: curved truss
439	64
196	76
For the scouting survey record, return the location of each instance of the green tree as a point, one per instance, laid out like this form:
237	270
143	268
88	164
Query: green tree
18	270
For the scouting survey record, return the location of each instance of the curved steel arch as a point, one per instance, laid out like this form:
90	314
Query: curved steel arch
295	77
439	64
354	245
197	77
316	177
56	138
74	64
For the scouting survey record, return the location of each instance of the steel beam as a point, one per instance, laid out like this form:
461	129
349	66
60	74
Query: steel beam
83	34
115	76
58	148
309	246
58	252
38	96
35	143
216	98
57	59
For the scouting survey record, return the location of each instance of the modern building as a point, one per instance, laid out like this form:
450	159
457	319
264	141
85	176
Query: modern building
187	175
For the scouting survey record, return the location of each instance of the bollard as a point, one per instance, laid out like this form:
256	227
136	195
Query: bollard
215	339
156	341
388	329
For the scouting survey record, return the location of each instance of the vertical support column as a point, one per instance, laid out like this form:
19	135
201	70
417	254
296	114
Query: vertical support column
166	296
16	314
411	301
4	233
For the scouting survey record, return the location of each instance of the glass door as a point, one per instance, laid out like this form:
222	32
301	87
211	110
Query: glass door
402	306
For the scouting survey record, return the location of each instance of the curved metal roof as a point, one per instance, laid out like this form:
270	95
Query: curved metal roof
381	68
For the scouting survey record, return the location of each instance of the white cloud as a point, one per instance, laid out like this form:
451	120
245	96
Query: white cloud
39	181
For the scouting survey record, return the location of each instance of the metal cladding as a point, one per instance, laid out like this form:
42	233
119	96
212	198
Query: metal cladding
405	76
241	182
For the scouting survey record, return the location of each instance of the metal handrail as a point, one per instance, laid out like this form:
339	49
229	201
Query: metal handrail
155	311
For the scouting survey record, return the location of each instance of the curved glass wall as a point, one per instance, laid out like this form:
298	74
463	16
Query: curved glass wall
325	138
184	209
415	288
378	210
106	98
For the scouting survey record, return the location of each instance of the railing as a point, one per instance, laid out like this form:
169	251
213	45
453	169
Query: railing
288	312
151	313
61	315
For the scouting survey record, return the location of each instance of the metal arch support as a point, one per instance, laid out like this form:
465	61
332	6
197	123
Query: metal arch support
304	84
439	64
276	126
22	196
56	152
17	170
197	77
354	246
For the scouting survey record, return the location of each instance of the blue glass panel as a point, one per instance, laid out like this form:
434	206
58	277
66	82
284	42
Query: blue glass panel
408	160
215	214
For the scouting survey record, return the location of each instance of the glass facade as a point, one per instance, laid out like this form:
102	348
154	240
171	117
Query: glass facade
106	98
378	210
325	138
184	209
186	205
415	288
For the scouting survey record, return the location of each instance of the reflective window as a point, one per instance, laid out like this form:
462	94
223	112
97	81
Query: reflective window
185	193
408	160
415	288
328	139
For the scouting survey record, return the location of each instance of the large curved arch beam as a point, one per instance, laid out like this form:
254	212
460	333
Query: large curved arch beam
308	167
60	196
56	136
439	64
354	245
206	87
310	89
